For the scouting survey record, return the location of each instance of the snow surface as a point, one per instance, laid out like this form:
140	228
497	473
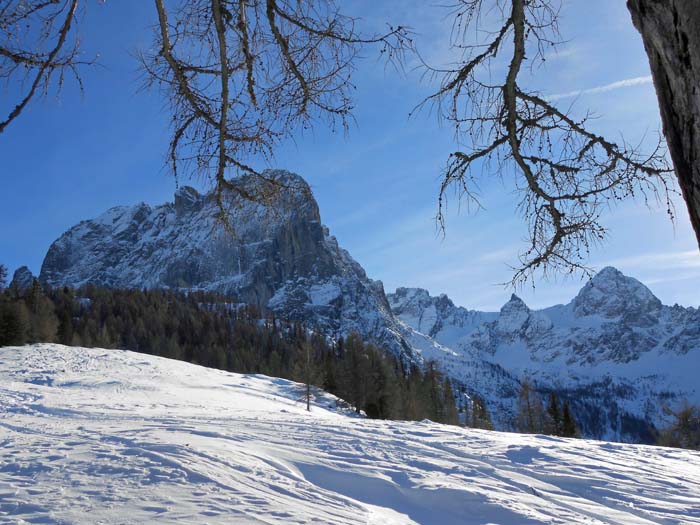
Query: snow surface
115	437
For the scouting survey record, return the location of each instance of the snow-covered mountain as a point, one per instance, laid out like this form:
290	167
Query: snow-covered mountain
108	436
287	262
615	351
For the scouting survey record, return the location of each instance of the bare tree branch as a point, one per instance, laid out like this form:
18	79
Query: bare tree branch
25	26
565	174
240	76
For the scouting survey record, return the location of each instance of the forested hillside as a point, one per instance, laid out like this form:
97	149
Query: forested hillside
210	330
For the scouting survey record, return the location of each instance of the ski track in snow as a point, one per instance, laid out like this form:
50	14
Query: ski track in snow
115	437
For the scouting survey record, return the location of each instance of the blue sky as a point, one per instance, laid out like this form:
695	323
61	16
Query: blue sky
70	158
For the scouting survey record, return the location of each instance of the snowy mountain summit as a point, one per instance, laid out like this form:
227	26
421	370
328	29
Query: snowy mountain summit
618	354
285	261
108	436
611	294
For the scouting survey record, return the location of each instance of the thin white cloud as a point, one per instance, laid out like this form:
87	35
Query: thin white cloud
662	261
620	84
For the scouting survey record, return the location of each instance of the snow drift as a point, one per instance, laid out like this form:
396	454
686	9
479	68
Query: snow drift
109	436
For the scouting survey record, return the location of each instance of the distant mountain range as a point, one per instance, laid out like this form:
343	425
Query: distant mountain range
615	352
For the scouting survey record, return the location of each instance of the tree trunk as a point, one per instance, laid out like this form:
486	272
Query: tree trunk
670	30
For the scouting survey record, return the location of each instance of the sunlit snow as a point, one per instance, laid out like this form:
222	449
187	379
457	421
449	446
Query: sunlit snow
109	436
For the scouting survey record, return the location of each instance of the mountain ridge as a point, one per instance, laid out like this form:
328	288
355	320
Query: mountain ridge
607	350
614	349
287	262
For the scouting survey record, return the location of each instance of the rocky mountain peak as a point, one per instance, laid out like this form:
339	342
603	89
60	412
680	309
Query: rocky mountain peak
514	315
282	260
22	279
610	293
404	298
514	303
187	198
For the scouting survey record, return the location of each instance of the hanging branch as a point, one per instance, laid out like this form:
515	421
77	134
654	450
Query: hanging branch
27	27
240	76
565	174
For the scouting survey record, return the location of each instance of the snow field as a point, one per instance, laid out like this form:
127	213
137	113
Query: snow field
115	437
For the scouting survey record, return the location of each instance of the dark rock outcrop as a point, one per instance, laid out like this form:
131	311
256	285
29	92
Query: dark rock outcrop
22	279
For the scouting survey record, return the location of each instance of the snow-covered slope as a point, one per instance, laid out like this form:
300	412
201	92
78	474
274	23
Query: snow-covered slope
287	262
113	437
615	351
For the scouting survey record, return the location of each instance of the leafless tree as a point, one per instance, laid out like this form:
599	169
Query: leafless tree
565	174
242	75
37	48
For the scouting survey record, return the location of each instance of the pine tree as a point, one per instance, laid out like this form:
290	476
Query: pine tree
307	372
480	417
554	422
356	372
43	323
451	415
14	323
568	425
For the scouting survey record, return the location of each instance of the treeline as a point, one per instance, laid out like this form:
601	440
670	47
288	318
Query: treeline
535	417
205	329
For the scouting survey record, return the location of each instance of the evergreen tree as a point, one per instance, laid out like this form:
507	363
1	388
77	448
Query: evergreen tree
3	277
568	425
14	322
451	415
554	421
356	369
43	323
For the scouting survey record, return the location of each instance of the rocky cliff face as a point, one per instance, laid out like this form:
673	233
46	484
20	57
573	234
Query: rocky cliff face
615	351
287	262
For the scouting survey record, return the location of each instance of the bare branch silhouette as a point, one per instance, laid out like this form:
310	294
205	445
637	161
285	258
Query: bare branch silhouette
240	76
565	174
35	47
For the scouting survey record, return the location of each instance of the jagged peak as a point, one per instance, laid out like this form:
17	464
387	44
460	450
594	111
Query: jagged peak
515	303
186	197
409	292
514	315
22	279
610	274
184	191
295	185
611	279
610	292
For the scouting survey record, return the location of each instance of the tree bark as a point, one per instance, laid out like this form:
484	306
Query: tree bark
670	30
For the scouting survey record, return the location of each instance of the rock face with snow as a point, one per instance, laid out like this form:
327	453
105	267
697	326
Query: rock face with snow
22	279
286	262
615	351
